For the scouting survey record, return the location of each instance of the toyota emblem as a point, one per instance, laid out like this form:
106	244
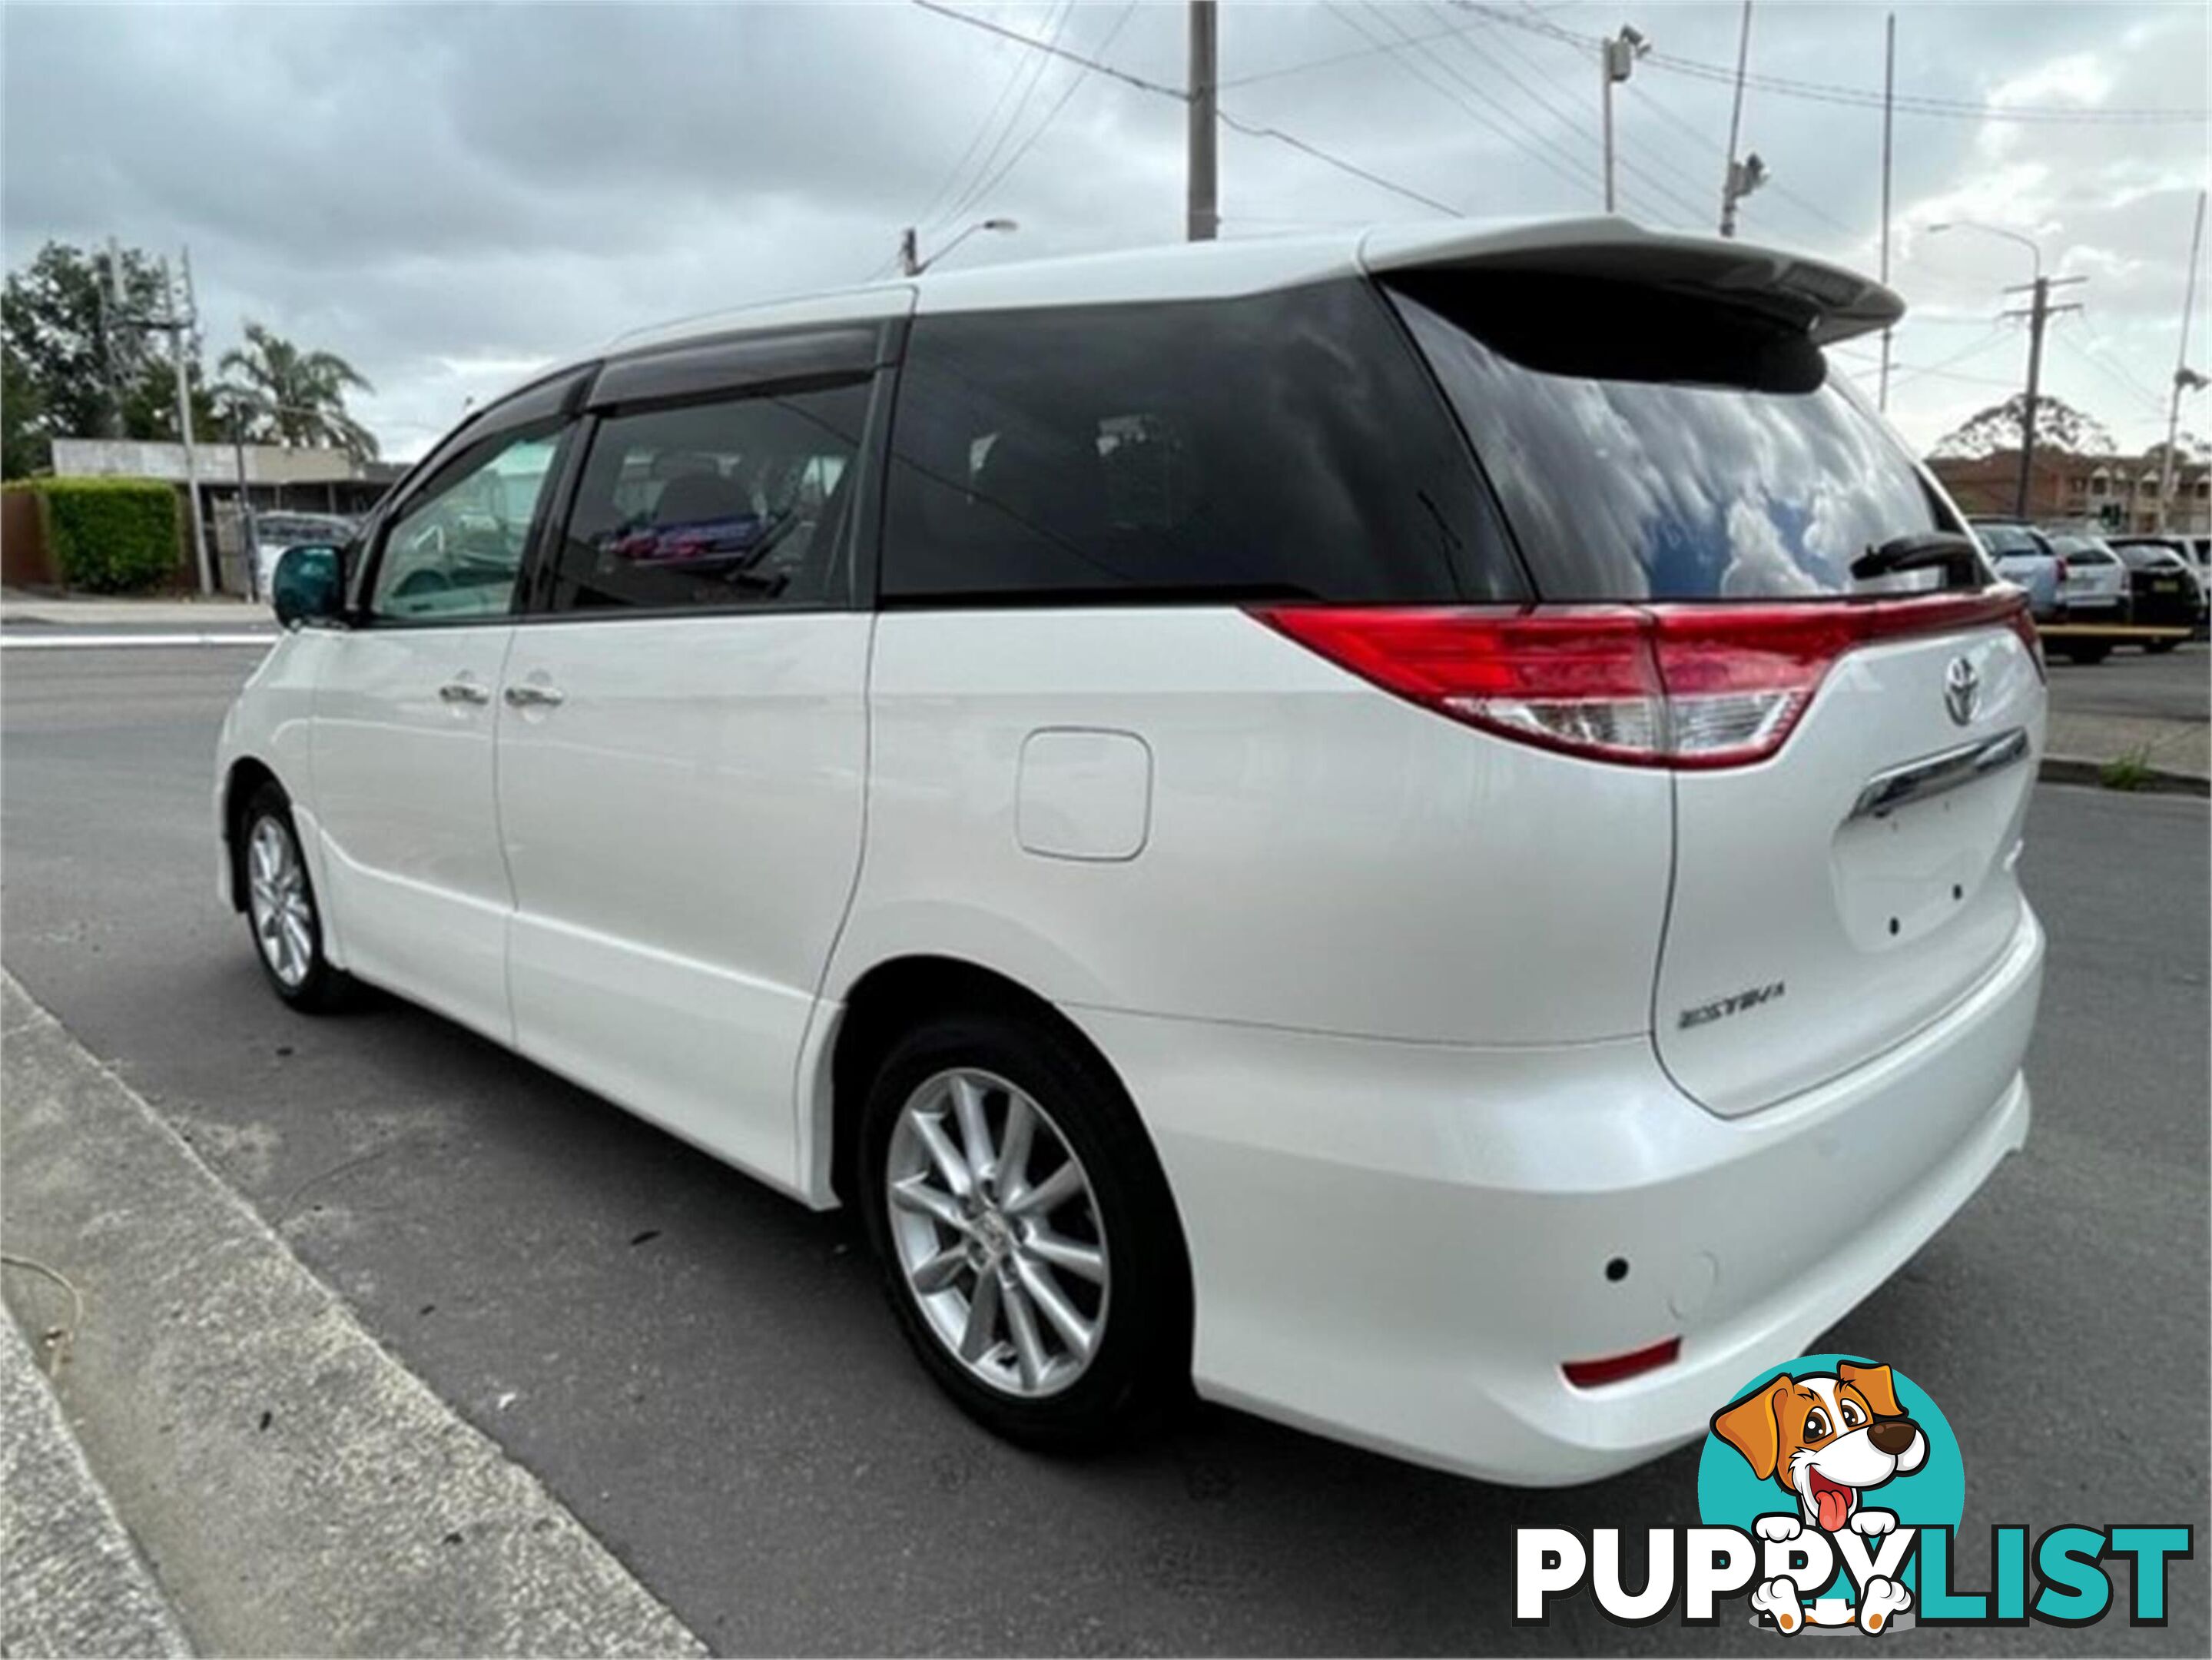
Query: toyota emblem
1962	690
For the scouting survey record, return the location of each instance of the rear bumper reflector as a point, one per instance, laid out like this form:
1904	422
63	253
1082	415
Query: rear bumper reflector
1615	1368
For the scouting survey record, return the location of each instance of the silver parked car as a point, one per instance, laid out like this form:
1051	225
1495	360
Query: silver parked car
2023	556
2094	585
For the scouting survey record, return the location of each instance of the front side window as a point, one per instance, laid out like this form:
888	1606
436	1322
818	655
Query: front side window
735	502
1651	444
1283	446
453	552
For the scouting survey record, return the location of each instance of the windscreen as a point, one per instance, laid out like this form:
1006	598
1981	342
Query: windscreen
2002	539
1647	444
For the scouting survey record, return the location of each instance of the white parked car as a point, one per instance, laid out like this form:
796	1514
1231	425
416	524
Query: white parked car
1272	818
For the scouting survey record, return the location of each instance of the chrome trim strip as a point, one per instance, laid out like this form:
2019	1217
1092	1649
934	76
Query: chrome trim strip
1916	779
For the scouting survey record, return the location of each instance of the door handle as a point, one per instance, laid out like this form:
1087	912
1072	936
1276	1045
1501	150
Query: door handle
524	696
465	692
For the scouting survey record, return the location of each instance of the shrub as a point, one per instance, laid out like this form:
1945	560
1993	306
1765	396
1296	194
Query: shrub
109	535
2132	770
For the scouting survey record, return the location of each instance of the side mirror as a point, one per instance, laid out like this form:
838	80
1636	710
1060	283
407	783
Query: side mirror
309	585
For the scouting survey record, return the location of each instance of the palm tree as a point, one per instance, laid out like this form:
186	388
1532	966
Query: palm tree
292	397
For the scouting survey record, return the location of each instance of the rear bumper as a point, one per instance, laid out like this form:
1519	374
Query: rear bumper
1399	1244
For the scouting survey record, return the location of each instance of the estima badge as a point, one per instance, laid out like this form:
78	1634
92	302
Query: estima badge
1721	1007
1962	690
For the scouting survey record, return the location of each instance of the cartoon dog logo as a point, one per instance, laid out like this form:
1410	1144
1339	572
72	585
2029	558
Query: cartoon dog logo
1826	1438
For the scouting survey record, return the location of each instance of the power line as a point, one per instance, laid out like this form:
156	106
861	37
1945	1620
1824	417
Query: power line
1179	94
1305	65
1644	96
1051	115
1870	360
1571	117
1996	333
1337	161
944	191
1182	96
2113	372
1585	181
984	178
1863	97
2097	336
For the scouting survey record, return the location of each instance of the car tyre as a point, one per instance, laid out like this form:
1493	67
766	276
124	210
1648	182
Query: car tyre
2078	652
2160	647
282	911
1011	1365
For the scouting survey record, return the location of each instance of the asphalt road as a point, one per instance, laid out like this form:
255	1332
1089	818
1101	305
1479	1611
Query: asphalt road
2175	685
703	1372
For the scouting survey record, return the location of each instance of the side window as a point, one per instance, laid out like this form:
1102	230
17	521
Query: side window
735	502
1288	445
455	550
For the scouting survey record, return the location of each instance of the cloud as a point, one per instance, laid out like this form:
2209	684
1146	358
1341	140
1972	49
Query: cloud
442	193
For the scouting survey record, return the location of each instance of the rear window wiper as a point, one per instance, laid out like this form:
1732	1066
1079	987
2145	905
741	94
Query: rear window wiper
1959	557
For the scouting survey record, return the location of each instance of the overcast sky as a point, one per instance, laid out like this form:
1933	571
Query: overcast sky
450	196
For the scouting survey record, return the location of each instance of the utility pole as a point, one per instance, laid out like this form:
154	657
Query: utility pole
111	303
249	551
1203	212
1888	112
2185	378
180	327
2039	311
1742	177
1617	56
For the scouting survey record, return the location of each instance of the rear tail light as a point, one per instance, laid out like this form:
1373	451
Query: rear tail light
2023	624
1616	1368
1666	685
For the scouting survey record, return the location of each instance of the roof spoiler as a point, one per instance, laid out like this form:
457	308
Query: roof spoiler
1831	303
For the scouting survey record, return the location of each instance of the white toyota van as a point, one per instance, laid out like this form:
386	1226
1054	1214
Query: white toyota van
1416	830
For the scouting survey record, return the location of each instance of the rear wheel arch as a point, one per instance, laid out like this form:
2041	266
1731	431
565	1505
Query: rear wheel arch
894	996
911	1020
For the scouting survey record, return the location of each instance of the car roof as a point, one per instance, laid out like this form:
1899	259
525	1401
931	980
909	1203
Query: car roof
1834	304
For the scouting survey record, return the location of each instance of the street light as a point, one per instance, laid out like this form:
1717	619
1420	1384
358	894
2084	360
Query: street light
914	264
2027	242
1617	57
1743	177
2185	380
2038	314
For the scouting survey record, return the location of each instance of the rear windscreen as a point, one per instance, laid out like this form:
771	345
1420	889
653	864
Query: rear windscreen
1651	444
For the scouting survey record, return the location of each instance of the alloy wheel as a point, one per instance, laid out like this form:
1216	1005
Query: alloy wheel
276	897
998	1233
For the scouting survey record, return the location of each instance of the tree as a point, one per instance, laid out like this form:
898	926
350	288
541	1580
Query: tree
2058	426
77	367
292	397
24	446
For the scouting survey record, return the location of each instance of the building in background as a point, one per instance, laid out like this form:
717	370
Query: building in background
2111	492
276	479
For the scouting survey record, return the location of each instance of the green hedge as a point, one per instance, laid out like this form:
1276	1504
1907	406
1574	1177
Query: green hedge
109	535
